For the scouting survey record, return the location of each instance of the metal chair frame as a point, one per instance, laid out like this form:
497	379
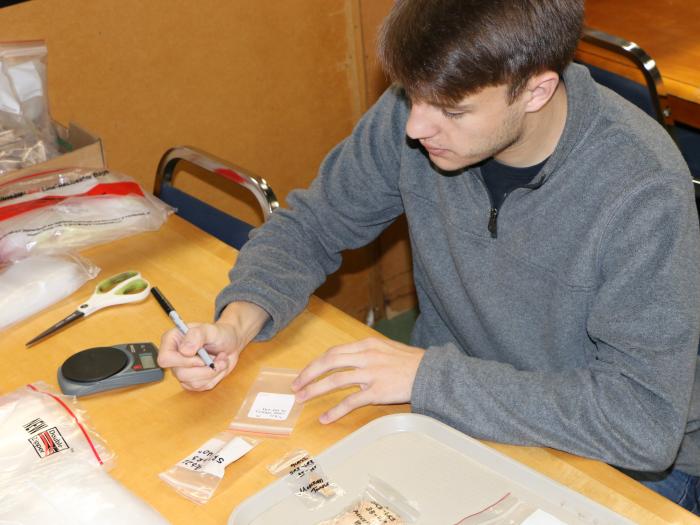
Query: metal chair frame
257	186
647	66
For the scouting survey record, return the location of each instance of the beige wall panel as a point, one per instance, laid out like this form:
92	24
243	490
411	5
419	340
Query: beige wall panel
373	13
269	85
394	272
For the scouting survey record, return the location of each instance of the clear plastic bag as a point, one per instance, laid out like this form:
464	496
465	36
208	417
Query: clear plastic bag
377	505
306	478
71	209
269	406
27	135
198	475
72	493
33	284
40	427
511	510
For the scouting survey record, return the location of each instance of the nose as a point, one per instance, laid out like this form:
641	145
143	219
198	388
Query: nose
421	122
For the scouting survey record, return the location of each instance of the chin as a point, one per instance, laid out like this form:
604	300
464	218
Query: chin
450	165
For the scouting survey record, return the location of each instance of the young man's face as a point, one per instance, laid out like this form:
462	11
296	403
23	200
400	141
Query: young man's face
482	125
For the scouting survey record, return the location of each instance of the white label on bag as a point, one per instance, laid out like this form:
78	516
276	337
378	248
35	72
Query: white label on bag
199	458
233	450
540	517
268	405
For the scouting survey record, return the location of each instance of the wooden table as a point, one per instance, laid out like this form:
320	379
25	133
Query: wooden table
152	427
669	31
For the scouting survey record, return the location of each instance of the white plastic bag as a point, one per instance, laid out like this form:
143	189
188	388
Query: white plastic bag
30	285
39	427
71	209
27	135
72	493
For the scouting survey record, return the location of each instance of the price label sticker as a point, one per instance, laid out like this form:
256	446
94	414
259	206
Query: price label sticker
268	405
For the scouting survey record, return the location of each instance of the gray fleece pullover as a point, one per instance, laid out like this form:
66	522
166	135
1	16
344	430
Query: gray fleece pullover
575	328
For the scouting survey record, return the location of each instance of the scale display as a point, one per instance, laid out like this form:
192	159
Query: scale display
108	367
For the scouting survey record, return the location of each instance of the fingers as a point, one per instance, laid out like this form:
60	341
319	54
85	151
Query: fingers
324	364
204	378
384	370
171	351
341	356
332	382
347	405
178	351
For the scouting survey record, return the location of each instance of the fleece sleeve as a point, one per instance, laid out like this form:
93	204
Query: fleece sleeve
353	199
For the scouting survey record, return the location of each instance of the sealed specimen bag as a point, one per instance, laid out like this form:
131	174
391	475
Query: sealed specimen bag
378	504
71	209
27	135
306	478
198	475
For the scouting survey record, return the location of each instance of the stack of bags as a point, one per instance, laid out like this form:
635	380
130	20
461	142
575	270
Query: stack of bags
46	217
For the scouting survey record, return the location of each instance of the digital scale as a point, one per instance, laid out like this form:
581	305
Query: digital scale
108	367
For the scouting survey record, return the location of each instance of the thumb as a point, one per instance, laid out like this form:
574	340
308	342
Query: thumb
193	341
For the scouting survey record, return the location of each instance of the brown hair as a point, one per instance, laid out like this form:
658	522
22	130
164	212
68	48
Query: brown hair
443	50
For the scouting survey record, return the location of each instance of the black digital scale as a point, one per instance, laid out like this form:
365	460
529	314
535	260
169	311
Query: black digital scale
107	367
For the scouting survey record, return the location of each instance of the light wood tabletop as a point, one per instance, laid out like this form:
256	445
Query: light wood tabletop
668	31
152	427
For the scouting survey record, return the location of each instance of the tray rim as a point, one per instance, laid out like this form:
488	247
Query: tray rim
447	435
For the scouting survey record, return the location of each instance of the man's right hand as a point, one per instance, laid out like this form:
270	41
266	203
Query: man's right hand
224	340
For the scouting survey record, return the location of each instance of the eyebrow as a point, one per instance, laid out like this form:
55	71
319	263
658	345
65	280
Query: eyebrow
459	107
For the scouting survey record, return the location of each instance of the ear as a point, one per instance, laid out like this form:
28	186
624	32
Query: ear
540	89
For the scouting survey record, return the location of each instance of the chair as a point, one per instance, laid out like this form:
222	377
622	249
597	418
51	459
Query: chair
651	97
221	225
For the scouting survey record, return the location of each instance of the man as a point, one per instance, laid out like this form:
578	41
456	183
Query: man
555	246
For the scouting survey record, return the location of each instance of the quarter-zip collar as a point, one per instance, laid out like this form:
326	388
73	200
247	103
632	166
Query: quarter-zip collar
583	102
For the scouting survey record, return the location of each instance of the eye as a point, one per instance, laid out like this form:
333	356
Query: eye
453	114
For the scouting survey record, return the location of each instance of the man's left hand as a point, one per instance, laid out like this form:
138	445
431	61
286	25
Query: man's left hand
383	369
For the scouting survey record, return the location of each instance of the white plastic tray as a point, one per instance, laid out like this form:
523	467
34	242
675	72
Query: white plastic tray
447	474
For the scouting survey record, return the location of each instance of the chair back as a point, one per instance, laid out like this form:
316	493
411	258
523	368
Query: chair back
226	227
651	96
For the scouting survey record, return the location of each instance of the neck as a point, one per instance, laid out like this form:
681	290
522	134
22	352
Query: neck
540	134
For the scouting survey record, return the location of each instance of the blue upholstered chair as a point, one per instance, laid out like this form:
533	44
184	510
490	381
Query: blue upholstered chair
650	97
214	221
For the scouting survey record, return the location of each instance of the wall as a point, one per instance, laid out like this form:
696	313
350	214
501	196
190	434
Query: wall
270	86
391	279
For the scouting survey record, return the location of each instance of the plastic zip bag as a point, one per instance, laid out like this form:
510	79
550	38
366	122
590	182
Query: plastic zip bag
269	406
35	283
71	209
306	478
40	427
377	505
198	475
72	493
27	135
511	510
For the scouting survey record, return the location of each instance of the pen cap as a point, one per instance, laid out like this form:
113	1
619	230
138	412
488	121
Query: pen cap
162	301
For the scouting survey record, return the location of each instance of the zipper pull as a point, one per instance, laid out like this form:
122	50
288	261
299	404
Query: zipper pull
493	226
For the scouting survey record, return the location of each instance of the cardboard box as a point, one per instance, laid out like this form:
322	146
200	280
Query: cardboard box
81	149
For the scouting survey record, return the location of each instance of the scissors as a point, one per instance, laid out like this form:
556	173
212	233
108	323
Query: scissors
126	287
